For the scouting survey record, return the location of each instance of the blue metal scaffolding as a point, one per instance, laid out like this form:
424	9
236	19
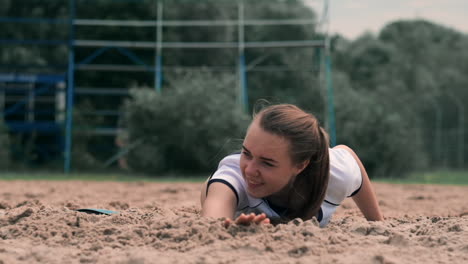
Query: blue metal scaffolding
127	49
32	95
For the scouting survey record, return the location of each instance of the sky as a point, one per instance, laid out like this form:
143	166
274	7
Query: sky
351	18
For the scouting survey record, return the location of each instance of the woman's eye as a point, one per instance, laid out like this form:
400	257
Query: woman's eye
268	164
246	154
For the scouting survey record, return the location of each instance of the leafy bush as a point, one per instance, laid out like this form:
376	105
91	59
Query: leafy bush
383	134
185	128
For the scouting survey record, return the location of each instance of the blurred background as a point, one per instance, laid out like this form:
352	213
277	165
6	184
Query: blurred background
169	86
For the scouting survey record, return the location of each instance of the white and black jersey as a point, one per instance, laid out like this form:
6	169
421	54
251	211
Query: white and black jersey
345	181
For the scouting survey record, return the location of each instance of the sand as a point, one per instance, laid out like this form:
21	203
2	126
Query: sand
160	223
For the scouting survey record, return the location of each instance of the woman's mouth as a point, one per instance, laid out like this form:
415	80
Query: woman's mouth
253	184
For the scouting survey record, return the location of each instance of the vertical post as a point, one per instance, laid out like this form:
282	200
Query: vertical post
243	83
158	57
461	147
330	102
438	133
2	102
70	88
317	63
243	98
30	103
461	130
329	79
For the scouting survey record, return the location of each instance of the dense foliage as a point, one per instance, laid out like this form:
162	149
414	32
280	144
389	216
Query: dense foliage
188	127
408	94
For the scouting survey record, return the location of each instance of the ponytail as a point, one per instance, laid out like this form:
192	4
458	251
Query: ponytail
310	186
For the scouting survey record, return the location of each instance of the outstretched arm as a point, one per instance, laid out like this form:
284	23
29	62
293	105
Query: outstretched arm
365	199
220	201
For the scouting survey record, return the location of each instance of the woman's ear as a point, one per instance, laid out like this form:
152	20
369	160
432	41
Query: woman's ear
301	166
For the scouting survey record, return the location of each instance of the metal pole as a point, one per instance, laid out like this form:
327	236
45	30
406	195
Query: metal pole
2	103
243	82
461	130
30	103
199	45
329	80
461	148
243	98
158	58
70	89
438	132
331	103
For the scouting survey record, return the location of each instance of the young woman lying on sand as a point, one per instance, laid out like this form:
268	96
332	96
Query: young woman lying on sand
286	170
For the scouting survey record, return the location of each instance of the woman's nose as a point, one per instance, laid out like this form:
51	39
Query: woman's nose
251	169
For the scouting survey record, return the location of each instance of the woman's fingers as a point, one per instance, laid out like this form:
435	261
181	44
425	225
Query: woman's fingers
263	219
244	219
259	218
227	222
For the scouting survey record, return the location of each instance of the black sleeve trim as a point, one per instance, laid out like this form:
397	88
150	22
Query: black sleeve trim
227	184
252	207
320	215
358	189
211	176
331	203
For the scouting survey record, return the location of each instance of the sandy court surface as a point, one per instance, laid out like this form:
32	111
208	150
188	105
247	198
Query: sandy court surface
160	223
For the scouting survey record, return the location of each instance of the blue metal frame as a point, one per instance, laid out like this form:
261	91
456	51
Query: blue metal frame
25	20
244	99
157	69
331	103
158	76
133	57
44	83
27	78
15	107
70	89
94	55
33	42
127	53
47	127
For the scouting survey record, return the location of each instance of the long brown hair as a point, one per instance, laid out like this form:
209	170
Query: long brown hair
308	141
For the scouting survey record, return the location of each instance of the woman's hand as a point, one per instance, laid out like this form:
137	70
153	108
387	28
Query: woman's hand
249	219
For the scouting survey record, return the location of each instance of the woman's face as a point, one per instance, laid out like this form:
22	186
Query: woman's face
265	162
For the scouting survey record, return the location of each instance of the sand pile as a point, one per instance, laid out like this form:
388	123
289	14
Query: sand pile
160	223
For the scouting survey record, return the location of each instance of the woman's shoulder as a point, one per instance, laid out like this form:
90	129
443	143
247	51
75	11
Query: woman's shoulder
342	149
230	160
343	157
345	173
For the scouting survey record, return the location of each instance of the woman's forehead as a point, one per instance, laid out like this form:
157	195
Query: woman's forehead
259	140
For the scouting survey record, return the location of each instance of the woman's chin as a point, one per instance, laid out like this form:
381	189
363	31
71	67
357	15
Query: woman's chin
255	192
